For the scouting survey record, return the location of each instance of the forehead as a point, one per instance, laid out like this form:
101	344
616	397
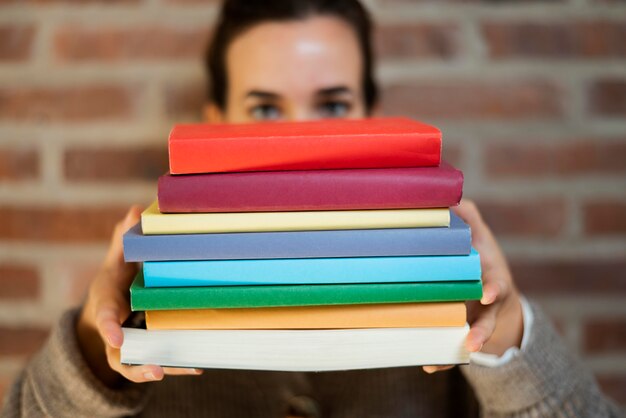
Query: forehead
294	57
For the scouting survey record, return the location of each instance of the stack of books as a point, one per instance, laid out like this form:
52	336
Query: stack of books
302	246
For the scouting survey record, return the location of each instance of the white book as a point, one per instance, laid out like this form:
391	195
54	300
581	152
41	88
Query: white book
296	350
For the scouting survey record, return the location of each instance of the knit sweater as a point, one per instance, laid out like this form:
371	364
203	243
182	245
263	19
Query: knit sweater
541	380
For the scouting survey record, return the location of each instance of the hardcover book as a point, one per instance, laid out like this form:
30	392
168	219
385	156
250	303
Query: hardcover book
313	145
391	315
166	298
154	222
455	240
348	189
312	271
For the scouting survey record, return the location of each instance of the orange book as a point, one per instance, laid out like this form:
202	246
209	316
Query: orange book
401	315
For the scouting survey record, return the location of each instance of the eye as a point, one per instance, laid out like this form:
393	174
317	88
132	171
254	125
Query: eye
265	111
334	109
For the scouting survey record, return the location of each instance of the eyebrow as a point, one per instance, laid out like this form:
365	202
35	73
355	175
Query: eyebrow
328	91
333	91
267	95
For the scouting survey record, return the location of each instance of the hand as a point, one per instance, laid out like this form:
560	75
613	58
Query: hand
496	322
99	325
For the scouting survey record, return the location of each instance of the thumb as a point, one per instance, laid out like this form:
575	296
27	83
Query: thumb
115	254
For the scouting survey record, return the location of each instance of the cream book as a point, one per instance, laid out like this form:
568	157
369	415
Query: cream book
296	350
387	315
154	222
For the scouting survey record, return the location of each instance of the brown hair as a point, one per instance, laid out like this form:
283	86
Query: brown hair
238	15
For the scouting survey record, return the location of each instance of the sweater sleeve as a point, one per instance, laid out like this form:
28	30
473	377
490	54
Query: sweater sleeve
541	380
57	382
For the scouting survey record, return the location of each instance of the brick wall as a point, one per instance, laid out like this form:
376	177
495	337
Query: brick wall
531	97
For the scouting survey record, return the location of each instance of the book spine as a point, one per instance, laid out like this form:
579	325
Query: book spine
143	298
392	315
153	222
218	155
312	271
397	188
454	240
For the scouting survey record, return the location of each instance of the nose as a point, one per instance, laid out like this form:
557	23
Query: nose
302	113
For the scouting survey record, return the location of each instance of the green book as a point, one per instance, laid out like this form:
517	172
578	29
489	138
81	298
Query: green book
145	299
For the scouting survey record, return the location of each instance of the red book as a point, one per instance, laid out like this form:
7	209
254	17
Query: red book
313	145
348	189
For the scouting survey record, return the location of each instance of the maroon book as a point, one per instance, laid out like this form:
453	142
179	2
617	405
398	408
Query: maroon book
281	191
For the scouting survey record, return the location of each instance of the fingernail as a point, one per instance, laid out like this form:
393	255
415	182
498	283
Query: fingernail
149	376
198	371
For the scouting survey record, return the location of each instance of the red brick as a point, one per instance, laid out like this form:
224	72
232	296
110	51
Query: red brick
185	101
16	42
68	2
605	218
81	43
522	159
22	341
608	98
570	39
417	41
614	386
18	164
457	99
538	218
67	104
605	335
19	282
115	164
575	277
59	224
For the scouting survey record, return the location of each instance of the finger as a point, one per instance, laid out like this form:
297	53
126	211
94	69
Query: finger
118	277
482	329
177	371
434	369
468	211
108	326
137	374
492	291
115	255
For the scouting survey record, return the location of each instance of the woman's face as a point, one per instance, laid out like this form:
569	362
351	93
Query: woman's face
294	70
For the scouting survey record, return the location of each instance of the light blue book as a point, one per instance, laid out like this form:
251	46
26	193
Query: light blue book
312	271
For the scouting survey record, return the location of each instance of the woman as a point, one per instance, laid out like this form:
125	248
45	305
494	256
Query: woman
297	60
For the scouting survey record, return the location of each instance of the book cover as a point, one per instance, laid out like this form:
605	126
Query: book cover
281	271
455	240
392	315
348	189
311	145
154	222
295	350
165	298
